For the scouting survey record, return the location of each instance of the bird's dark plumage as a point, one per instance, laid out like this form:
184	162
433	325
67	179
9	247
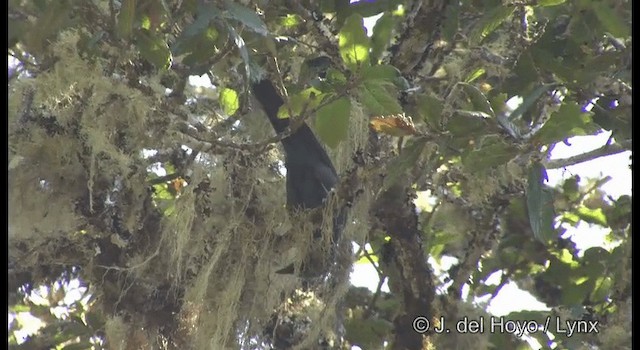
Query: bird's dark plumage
310	172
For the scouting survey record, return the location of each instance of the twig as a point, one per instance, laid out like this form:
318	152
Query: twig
369	310
323	36
482	240
594	187
373	263
603	151
257	147
503	282
164	179
131	268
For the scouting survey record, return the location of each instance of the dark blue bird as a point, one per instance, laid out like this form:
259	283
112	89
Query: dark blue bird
310	172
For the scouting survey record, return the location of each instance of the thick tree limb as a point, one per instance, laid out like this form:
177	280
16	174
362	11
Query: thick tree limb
396	211
415	44
603	151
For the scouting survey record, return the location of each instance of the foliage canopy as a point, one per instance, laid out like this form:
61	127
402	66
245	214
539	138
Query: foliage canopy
166	200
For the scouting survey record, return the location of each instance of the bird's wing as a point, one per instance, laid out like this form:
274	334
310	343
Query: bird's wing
309	184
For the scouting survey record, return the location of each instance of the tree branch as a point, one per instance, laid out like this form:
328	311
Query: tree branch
397	213
256	147
603	151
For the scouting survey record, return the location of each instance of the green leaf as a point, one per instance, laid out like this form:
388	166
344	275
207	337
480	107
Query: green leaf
63	336
336	79
71	330
473	114
168	208
245	16
94	320
407	159
161	192
478	99
200	26
381	37
567	122
571	188
618	216
304	100
493	152
368	8
380	72
545	59
197	44
574	294
354	43
242	47
290	20
19	308
596	255
41	311
611	21
430	109
498	103
537	316
561	266
592	216
439	241
154	49
367	333
504	340
200	49
540	204
475	75
592	68
387	73
602	289
525	73
570	218
332	121
16	29
489	22
550	2
206	12
83	345
145	22
229	101
530	100
365	260
451	21
467	123
379	98
125	18
617	120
